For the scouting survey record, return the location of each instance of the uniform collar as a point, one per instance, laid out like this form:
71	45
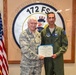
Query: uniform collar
55	30
28	31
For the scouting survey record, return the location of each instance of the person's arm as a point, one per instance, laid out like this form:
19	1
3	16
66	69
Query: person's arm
42	39
25	48
64	43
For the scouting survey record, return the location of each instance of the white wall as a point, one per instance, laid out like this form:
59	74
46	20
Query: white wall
1	8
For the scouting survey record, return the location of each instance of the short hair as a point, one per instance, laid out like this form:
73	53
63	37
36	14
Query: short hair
50	13
32	18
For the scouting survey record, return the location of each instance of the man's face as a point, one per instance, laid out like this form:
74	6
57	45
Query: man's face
51	19
32	25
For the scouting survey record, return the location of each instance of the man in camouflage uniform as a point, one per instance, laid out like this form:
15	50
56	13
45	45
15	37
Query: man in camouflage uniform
55	36
30	39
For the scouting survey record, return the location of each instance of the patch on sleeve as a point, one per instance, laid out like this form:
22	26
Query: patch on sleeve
64	32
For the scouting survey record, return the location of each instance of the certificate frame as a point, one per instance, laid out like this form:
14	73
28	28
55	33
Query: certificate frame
42	50
5	20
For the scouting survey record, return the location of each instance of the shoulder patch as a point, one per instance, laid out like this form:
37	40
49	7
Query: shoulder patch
64	32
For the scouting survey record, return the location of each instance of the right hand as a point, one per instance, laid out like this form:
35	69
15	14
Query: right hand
41	57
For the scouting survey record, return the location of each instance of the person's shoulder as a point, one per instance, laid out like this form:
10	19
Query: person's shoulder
43	30
37	32
59	28
23	32
45	27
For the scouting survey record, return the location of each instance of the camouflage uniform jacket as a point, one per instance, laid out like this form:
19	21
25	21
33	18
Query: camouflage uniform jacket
29	45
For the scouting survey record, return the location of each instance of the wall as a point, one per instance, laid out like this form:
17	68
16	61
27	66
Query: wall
10	28
1	8
14	69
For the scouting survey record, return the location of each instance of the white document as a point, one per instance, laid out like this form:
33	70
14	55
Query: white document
45	50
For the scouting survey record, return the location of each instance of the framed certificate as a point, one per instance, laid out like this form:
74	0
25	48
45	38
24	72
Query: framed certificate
45	50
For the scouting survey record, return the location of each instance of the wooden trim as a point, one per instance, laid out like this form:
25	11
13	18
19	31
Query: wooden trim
14	62
5	24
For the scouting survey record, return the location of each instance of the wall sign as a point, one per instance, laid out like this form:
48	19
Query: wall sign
36	9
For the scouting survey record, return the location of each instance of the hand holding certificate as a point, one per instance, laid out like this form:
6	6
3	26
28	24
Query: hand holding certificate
45	50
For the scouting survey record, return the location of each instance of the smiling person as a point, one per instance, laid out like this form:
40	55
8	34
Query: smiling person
30	39
56	36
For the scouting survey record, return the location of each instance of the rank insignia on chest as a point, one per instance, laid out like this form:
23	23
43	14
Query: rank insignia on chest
48	35
56	34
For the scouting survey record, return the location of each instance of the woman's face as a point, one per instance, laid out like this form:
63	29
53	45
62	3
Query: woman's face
32	24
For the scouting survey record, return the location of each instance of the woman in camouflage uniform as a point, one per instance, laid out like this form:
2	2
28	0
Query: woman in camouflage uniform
30	39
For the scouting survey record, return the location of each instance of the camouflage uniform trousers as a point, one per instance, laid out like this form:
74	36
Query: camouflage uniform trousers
31	70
